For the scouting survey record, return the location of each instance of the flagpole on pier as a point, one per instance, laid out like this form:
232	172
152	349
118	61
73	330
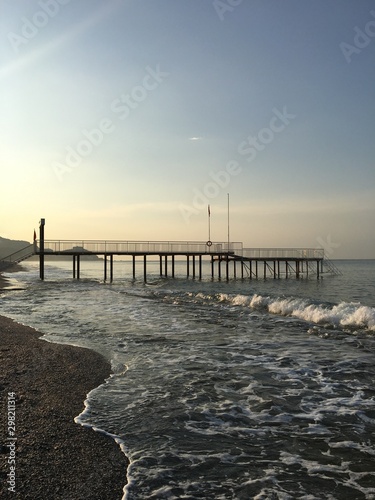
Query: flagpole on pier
209	223
228	221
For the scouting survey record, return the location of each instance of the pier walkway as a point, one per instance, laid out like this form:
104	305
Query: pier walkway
227	260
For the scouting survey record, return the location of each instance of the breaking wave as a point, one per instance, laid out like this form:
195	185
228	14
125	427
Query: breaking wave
345	314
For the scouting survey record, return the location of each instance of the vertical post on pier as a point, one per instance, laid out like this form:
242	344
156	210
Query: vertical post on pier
212	267
111	267
234	269
161	264
219	267
256	269
278	268
145	268
227	267
187	266
173	266
166	265
317	269
274	269
193	266
78	266
200	267
74	267
41	248
133	267
251	269
241	268
105	267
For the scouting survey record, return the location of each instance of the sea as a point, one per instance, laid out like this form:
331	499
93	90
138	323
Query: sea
222	389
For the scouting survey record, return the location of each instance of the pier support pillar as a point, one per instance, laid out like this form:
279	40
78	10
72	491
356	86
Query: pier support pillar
105	267
145	268
172	266
111	268
74	267
133	267
41	248
78	267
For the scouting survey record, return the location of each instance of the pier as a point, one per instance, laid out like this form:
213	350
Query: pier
227	260
232	262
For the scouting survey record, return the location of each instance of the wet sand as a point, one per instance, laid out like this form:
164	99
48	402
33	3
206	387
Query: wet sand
54	457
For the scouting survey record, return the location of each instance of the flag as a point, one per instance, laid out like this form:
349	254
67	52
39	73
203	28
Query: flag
34	235
209	211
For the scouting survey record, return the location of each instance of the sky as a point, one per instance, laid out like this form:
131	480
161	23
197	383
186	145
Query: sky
125	119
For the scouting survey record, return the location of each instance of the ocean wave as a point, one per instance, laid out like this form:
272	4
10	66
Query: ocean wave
345	314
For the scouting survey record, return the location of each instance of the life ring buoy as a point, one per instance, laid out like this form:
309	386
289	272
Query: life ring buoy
209	243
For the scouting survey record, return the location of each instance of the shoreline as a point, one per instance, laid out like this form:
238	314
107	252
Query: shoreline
43	387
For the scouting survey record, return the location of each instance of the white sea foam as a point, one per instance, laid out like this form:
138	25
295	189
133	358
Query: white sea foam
204	403
345	314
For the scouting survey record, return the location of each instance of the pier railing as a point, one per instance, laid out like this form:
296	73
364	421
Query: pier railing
18	256
283	253
139	247
176	247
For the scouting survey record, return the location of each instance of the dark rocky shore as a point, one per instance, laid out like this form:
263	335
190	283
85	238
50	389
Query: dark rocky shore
55	458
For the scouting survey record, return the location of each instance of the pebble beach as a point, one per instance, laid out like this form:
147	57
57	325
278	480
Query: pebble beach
44	453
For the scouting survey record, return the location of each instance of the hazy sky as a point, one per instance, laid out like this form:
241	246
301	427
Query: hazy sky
124	119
